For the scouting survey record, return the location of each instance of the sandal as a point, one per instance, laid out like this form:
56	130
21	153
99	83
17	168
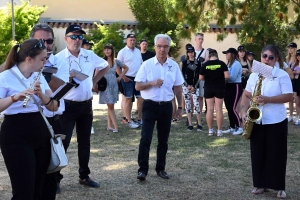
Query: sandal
281	194
258	191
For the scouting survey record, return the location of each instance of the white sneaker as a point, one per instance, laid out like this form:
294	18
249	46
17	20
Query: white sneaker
211	132
131	124
219	134
92	131
290	118
296	120
230	130
238	131
140	122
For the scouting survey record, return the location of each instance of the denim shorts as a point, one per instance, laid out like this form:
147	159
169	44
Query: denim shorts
129	89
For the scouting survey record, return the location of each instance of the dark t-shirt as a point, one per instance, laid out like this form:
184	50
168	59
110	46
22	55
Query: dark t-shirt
191	77
147	55
213	72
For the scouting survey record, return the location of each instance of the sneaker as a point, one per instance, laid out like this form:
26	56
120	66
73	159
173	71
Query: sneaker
230	130
1	116
238	131
131	124
199	127
190	128
219	134
211	132
92	131
296	120
290	118
140	122
115	130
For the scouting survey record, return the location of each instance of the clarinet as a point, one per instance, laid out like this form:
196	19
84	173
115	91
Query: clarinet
27	98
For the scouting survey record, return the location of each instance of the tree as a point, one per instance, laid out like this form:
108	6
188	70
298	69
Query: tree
261	21
153	18
26	17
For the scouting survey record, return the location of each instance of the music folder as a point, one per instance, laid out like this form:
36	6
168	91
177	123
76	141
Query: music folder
78	75
52	70
62	91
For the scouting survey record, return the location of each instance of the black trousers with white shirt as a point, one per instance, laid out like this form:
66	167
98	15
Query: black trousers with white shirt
162	115
268	145
81	114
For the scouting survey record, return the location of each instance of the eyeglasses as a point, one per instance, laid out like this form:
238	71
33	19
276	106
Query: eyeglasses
74	37
164	47
269	57
49	41
39	45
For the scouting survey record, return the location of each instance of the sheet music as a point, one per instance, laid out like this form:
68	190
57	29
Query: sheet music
62	90
263	69
78	75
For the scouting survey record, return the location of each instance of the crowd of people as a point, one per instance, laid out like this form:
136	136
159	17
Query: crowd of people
162	89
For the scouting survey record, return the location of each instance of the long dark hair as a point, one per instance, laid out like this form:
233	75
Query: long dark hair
112	55
29	48
232	59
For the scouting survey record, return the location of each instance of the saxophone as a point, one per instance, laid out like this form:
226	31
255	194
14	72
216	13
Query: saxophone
27	98
254	114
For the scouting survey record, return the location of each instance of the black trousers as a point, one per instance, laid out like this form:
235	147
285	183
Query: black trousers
81	114
49	190
25	146
232	96
162	115
268	145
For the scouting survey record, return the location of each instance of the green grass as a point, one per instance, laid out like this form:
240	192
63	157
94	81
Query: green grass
200	167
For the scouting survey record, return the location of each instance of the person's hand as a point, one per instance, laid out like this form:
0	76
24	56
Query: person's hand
192	89
126	79
37	90
261	100
119	79
71	77
157	82
95	88
179	114
189	87
243	116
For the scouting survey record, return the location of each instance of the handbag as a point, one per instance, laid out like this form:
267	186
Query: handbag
58	159
102	84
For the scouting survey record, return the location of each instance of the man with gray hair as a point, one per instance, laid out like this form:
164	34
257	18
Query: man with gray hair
155	79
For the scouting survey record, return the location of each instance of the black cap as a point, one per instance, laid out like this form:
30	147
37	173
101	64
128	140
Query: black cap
130	35
293	45
143	40
298	52
188	45
74	28
85	41
190	49
250	53
231	50
212	51
241	48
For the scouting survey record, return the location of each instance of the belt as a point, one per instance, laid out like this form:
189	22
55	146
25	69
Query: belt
78	102
158	102
54	118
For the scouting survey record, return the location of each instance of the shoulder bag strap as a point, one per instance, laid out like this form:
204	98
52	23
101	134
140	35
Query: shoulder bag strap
36	103
200	53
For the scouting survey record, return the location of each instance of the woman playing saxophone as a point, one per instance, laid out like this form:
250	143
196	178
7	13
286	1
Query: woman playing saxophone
268	141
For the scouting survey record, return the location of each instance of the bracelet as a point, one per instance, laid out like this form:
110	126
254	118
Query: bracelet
48	102
179	107
13	99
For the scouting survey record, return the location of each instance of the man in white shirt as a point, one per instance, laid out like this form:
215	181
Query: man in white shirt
45	32
155	79
78	102
131	57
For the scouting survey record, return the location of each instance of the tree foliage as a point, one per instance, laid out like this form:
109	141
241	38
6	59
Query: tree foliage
260	22
26	16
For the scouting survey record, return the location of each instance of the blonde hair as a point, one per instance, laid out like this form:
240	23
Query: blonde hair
292	57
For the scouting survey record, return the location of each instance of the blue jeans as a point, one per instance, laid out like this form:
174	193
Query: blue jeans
129	88
81	114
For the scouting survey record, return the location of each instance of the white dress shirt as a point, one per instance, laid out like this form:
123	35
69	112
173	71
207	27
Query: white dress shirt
86	62
151	70
279	84
63	74
132	59
10	85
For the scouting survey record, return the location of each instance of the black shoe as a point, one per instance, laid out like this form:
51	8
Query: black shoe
89	182
163	174
58	188
199	127
141	176
190	128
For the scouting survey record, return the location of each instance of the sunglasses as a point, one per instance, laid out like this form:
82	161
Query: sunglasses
39	45
269	57
49	41
74	37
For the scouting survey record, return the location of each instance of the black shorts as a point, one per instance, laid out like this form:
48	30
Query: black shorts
215	91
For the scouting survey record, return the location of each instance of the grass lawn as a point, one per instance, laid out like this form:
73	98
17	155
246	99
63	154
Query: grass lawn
199	166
